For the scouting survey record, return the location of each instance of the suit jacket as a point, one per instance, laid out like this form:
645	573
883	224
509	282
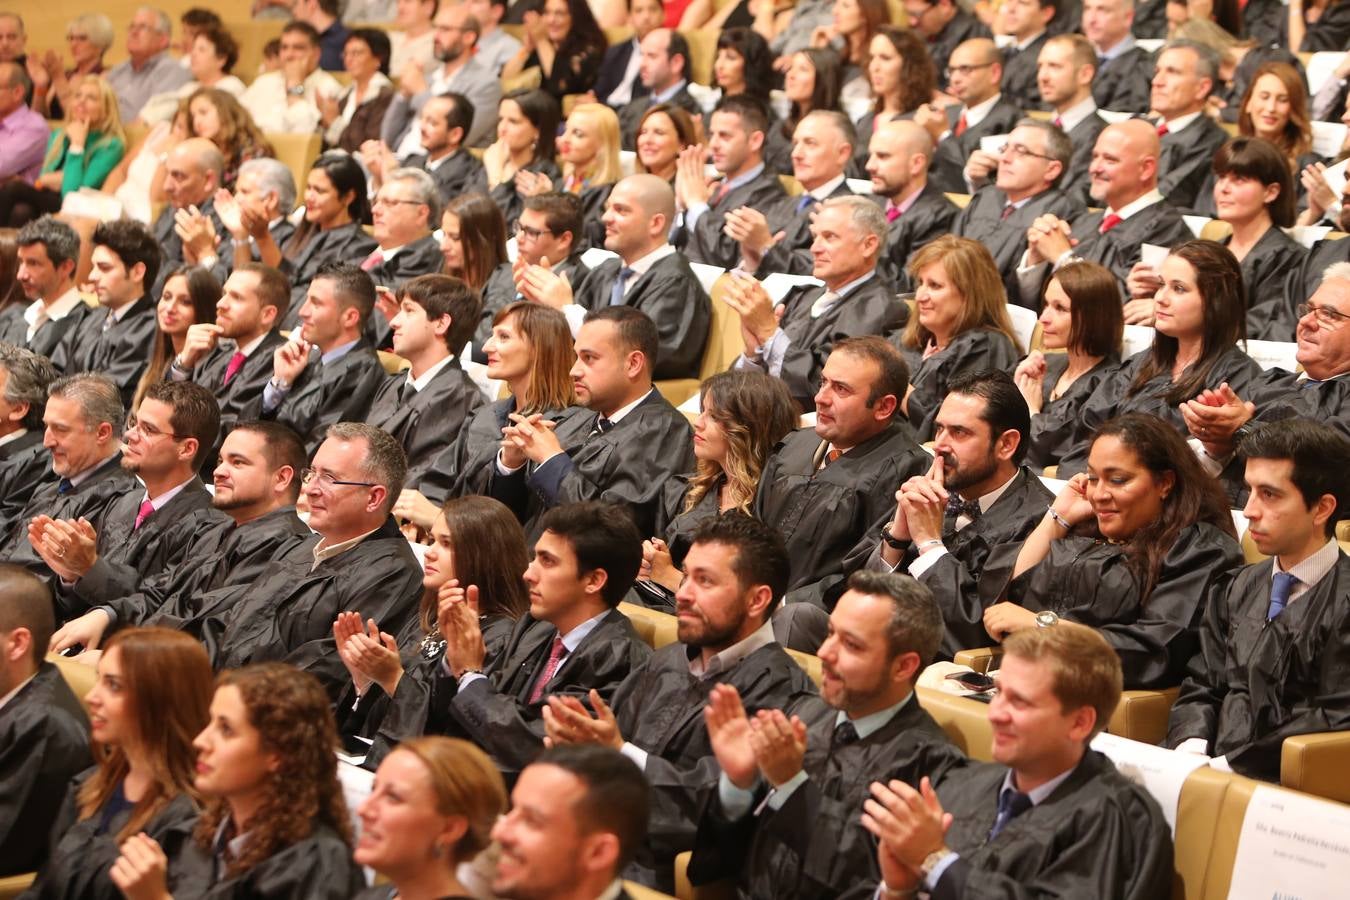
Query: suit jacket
1270	314
793	253
323	395
630	115
1019	74
962	27
347	243
626	465
672	297
705	242
930	215
949	160
1186	159
1076	182
612	69
500	292
496	712
1124	84
428	421
460	173
25	466
475	80
121	350
982	220
49	337
242	397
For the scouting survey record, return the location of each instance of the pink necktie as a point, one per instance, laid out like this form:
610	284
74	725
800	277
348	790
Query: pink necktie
892	213
1059	123
1111	220
143	513
373	260
722	190
555	655
236	363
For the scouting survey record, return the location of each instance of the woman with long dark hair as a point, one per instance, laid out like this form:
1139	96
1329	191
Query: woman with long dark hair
473	239
902	77
812	81
565	42
189	298
743	64
527	127
1129	548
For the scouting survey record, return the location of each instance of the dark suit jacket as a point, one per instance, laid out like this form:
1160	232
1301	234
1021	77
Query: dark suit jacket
793	253
671	295
630	115
962	27
461	173
1076	182
612	68
930	216
1124	84
47	340
949	160
1302	282
341	391
242	397
500	292
982	220
1019	74
1186	159
428	421
705	242
25	466
121	351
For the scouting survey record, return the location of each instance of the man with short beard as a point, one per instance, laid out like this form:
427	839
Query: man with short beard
957	529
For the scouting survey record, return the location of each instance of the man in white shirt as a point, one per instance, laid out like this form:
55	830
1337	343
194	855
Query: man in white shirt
286	100
48	253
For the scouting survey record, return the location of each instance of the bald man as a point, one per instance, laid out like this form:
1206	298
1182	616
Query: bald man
916	210
975	72
648	275
1124	174
192	175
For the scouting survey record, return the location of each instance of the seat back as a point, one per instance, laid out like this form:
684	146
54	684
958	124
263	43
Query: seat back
1198	809
655	627
966	721
80	676
392	362
809	662
297	151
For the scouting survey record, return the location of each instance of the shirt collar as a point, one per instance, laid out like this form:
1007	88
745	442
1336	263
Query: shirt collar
434	164
866	725
1138	205
338	352
1038	795
905	204
643	263
980	111
117	315
162	500
57	309
625	410
1083	109
729	658
1313	569
14	693
390	252
1180	122
670	92
1125	46
572	640
744	177
989	499
854	285
324	551
823	192
247	349
421	383
82	477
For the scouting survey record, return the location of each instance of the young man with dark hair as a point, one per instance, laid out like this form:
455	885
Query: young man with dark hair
574	641
663	70
116	339
425	407
1027	22
1273	643
805	840
957	529
24	377
48	253
736	570
945	24
444	124
1049	816
1064	72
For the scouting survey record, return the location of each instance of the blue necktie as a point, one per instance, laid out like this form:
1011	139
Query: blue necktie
65	486
616	293
1280	587
1011	804
1311	382
805	203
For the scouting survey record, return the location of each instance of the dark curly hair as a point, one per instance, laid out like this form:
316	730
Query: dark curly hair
294	719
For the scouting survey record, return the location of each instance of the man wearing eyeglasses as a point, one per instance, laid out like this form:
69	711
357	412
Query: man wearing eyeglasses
145	530
945	25
975	71
406	209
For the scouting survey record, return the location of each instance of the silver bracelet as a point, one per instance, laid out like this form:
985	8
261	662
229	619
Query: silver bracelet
1060	520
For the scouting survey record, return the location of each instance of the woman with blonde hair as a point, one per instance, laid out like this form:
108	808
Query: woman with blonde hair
588	149
960	324
432	808
80	154
149	702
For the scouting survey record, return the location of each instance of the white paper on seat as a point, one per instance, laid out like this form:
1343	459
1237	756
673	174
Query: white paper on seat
993	144
1328	138
512	249
1291	845
1321	66
1113	116
693	405
1307	235
1273	354
779	283
1023	323
856	107
1336	175
1160	772
707	274
1137	338
596	255
1149	45
1196	223
808	420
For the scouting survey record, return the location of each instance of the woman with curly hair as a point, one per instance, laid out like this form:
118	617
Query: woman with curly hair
1128	548
855	24
566	44
812	81
189	298
219	117
902	77
149	702
742	417
432	808
274	823
476	556
212	55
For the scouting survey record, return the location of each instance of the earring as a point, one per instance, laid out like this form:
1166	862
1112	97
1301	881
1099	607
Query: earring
437	851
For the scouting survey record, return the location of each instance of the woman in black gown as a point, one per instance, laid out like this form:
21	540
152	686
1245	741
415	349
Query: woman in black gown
527	126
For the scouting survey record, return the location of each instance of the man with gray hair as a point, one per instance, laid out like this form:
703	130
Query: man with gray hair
49	251
24	377
150	69
1183	79
792	340
407	208
264	195
23	132
83	434
189	230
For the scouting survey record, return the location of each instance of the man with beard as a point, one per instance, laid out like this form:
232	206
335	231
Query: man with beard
49	252
146	529
917	211
806	841
957	529
736	570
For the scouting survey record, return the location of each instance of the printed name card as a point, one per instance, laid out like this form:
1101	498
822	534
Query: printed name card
1160	772
1291	846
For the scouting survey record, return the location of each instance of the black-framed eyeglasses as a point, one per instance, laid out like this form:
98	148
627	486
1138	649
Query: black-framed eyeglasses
1327	318
327	482
915	16
963	71
1020	150
533	234
146	430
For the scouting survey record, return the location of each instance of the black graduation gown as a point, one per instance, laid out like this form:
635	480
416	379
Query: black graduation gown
969	351
281	233
1112	398
1118	249
121	351
1265	21
705	242
949	159
323	395
931	215
676	525
346	243
1054	428
1150	19
982	220
25	466
1330	32
496	711
500	292
870	308
428	421
593	200
962	27
1019	74
1098	834
793	253
1270	315
626	465
659	708
1302	282
318	867
1090	581
1076	181
1256	682
171	245
971	575
460	173
814	847
242	397
672	297
631	113
287	613
44	742
511	203
1124	84
1283	395
83	850
1186	159
821	513
49	337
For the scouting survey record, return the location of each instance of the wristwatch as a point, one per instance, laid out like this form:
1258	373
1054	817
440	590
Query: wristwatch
297	91
1047	619
931	861
891	540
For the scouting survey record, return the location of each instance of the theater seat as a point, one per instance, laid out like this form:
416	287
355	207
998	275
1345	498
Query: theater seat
1198	809
78	675
654	627
966	721
640	892
1317	764
717	890
809	663
15	885
724	345
297	151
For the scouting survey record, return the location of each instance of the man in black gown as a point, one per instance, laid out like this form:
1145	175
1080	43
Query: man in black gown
975	71
1275	655
1182	83
916	210
1122	80
736	570
1050	816
806	841
48	254
24	463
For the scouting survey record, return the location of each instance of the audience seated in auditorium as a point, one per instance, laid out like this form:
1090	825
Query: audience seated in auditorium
211	55
1121	82
49	251
24	463
527	127
188	229
902	78
288	100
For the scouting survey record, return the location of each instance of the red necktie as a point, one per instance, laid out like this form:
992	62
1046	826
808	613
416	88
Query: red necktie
722	190
143	513
373	260
236	363
1162	129
1059	123
960	128
1111	220
555	655
1008	210
892	213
